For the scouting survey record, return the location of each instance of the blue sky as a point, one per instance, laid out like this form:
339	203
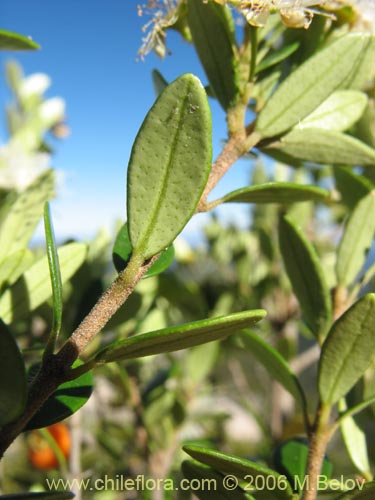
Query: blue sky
89	50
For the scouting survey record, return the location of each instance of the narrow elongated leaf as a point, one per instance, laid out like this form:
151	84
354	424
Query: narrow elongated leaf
66	400
275	364
12	267
356	241
362	67
159	82
15	41
200	476
290	459
54	270
348	350
277	192
351	185
310	84
19	218
34	287
36	495
324	146
306	276
355	441
241	468
338	112
13	386
169	166
179	337
212	30
277	56
122	251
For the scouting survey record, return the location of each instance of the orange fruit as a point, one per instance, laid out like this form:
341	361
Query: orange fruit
40	453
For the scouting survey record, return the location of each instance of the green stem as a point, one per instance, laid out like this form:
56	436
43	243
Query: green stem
48	437
254	52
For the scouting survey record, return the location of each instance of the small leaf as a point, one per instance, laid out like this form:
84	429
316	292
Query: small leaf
66	400
324	146
179	337
290	459
277	192
42	495
355	442
275	364
348	350
13	266
277	56
241	468
34	287
13	386
21	214
54	270
351	185
15	41
159	82
338	112
122	251
306	276
356	241
212	29
169	166
311	83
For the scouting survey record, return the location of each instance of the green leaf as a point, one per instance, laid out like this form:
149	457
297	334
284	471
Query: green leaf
208	484
277	56
338	112
212	29
21	214
122	251
34	287
54	271
15	41
66	400
179	337
351	185
13	386
356	241
355	442
306	276
311	83
290	459
13	266
366	492
277	192
241	468
159	82
348	350
169	166
275	364
324	146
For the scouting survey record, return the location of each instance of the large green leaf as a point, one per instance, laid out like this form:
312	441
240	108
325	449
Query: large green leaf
212	30
179	337
351	185
242	469
290	459
356	241
169	166
306	276
324	146
277	192
13	266
348	350
13	386
14	41
338	112
20	216
275	364
34	287
311	83
66	400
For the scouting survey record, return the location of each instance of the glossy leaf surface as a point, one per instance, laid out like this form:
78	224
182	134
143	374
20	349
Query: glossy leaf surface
179	337
311	83
306	276
348	350
169	166
14	41
13	386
